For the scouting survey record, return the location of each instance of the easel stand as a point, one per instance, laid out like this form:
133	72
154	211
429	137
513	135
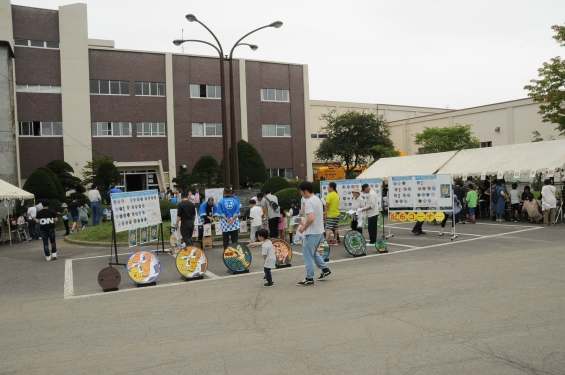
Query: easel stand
162	242
146	284
114	245
192	278
359	255
238	272
283	265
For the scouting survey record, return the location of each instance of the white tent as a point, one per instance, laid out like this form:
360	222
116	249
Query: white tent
539	156
8	193
407	165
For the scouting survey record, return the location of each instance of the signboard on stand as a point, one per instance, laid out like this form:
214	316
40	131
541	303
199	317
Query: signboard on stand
344	187
412	192
217	194
136	209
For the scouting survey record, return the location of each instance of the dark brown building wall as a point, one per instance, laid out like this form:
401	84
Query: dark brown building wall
35	23
201	71
39	107
132	67
38	66
38	151
277	152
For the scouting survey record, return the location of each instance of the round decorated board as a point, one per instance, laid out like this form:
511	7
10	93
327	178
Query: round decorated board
237	257
109	278
355	243
324	249
381	246
283	251
191	262
143	267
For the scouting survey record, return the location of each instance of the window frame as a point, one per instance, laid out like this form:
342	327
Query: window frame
18	43
276	172
26	88
150	128
283	94
149	86
276	128
203	127
121	84
43	125
199	87
110	129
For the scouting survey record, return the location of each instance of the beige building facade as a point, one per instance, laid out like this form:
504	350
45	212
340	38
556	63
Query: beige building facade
495	124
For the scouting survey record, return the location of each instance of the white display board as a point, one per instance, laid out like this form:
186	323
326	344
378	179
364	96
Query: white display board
431	191
136	209
344	187
217	194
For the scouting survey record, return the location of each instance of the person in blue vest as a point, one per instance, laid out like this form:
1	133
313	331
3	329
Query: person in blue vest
206	213
228	210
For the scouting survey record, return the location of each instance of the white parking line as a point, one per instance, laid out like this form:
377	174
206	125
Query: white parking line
436	231
398	244
68	288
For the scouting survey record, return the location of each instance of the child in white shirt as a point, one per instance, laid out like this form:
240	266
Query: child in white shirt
268	252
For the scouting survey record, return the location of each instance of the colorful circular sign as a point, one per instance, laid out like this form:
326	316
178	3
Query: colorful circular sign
381	246
324	249
439	216
402	216
237	257
430	216
143	267
393	217
420	216
411	217
355	243
191	262
109	278
283	252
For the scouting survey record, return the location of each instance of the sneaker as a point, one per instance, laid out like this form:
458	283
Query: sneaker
324	274
440	234
71	232
267	285
334	243
306	282
451	234
422	232
48	258
416	233
54	256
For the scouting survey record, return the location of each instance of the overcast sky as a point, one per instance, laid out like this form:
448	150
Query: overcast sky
434	53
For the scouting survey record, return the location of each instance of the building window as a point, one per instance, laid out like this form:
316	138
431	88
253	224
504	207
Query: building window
486	144
39	89
317	136
36	43
205	91
40	129
272	130
200	129
106	87
149	89
111	129
151	129
281	172
275	95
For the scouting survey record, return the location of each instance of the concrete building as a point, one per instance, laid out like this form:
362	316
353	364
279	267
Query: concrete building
494	124
78	98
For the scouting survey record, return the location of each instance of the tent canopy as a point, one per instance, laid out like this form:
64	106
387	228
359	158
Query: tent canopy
9	192
407	165
523	156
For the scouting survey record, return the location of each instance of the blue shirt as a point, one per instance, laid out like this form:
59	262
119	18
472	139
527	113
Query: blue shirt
114	190
229	207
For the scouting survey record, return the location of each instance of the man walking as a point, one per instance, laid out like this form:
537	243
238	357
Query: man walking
47	218
255	219
271	213
73	208
332	214
313	231
372	210
95	198
186	212
228	209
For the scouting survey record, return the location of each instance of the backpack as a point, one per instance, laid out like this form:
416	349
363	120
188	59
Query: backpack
273	205
494	195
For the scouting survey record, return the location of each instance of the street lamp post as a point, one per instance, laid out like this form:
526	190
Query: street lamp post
235	162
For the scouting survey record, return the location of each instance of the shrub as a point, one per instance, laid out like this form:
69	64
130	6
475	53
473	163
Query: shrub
64	171
55	205
40	185
61	194
166	207
251	165
275	184
286	195
207	172
316	184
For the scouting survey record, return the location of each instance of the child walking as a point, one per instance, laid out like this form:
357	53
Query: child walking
282	226
268	254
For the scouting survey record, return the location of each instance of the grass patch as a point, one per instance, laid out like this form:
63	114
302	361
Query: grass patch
103	233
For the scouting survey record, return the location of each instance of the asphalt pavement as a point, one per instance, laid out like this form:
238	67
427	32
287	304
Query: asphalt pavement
489	302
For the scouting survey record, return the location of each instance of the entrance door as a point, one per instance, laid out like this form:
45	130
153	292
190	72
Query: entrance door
136	182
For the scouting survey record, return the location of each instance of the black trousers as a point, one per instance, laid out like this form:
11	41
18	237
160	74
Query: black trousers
418	227
186	229
354	226
226	236
274	227
372	227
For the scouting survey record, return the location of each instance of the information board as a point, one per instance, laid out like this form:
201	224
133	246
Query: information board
217	194
344	187
136	209
432	191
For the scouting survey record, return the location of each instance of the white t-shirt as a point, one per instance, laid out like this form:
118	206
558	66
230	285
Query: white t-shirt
314	204
270	212
548	193
32	211
256	214
514	196
268	250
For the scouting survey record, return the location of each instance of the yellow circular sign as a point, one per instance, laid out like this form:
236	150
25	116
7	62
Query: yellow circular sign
430	216
411	216
440	216
402	216
420	216
393	216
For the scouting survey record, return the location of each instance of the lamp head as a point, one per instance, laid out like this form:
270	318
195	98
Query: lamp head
177	42
191	17
253	47
275	24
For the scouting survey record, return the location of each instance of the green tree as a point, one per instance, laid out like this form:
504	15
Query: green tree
383	152
183	179
452	138
91	167
61	195
549	90
351	136
40	185
207	172
275	184
284	197
251	165
106	175
64	171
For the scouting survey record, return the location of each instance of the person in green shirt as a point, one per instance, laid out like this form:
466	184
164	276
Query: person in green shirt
332	214
471	198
